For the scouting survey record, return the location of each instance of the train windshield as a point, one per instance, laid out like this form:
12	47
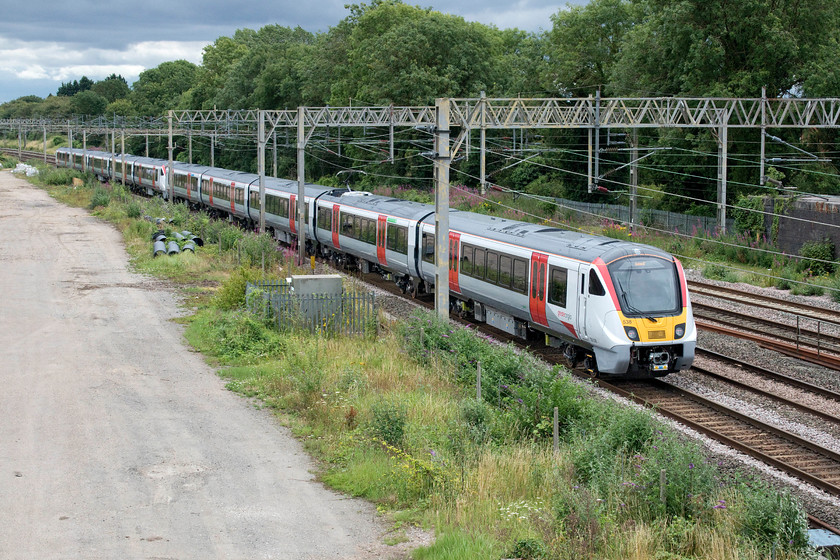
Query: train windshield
646	286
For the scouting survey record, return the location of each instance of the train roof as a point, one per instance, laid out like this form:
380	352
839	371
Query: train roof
381	204
577	245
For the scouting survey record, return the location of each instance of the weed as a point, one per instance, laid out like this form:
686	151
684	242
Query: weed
100	197
388	423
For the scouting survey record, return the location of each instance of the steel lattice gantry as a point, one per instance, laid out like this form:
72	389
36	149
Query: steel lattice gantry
466	114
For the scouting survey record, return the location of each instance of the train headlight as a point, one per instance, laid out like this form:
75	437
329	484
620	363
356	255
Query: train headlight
679	330
632	333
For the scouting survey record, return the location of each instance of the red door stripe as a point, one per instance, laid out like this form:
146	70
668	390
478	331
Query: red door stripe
454	258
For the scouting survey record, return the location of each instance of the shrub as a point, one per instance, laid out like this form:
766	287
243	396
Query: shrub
714	272
239	337
231	294
807	290
133	210
477	418
388	423
100	197
773	519
528	549
834	290
819	257
58	177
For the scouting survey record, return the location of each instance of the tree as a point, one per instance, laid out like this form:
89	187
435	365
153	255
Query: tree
121	107
70	89
407	55
160	89
724	47
584	44
88	103
112	88
217	61
250	84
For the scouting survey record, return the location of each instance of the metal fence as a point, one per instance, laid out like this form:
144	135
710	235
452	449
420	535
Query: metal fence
656	218
329	314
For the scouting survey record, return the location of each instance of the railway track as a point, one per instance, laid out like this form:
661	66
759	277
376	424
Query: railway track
811	345
768	302
799	335
805	392
29	155
790	453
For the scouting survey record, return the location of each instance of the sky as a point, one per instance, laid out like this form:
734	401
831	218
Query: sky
44	43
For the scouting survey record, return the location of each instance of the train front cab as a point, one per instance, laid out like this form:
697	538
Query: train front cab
638	306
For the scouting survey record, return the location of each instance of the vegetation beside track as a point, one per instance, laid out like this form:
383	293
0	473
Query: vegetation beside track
395	419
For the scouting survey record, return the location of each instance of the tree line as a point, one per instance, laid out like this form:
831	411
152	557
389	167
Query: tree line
390	52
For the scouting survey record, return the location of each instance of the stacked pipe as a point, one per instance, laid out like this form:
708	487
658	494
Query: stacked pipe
183	241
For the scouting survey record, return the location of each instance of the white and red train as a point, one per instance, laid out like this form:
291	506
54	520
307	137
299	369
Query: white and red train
620	308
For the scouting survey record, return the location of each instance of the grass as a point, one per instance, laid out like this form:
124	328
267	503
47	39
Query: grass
394	419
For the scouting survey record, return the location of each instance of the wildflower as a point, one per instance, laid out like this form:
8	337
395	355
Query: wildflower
691	465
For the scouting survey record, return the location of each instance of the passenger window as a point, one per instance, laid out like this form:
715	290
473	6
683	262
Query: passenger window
559	278
505	263
595	286
541	293
520	276
478	264
467	259
534	270
429	247
492	267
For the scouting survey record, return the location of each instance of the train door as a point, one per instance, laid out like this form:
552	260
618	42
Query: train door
233	198
293	213
335	225
454	245
536	292
583	298
381	225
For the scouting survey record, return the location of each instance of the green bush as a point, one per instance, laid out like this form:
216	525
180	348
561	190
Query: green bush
231	294
834	290
477	419
773	519
133	209
528	549
388	423
238	337
59	177
819	257
807	290
100	197
715	272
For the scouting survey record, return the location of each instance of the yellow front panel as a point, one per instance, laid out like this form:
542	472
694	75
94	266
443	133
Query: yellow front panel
660	330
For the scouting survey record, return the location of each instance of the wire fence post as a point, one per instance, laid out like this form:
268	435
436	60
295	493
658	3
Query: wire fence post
662	485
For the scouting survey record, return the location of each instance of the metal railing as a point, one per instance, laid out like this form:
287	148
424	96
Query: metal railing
327	314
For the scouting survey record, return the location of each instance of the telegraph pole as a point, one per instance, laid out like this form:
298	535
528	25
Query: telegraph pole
442	160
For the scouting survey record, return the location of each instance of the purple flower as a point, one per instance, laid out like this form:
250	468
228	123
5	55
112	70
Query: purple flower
691	465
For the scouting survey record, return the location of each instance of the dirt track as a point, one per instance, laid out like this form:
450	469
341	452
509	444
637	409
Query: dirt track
116	441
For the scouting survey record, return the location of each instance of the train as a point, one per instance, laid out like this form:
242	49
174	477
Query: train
616	308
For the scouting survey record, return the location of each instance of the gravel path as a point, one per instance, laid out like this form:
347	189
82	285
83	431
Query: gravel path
117	441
